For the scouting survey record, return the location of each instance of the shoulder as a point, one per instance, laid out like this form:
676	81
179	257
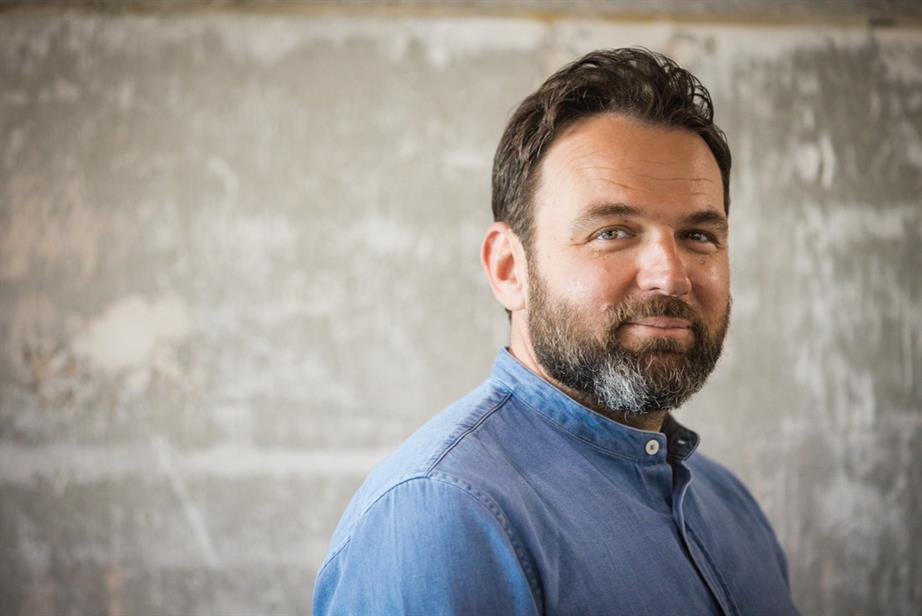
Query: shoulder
429	542
419	514
421	456
425	530
428	545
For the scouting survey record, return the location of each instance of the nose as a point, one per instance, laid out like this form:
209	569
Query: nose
662	268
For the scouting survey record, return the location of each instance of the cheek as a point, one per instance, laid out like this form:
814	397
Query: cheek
712	287
595	285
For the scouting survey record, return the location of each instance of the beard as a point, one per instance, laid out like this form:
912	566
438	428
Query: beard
658	374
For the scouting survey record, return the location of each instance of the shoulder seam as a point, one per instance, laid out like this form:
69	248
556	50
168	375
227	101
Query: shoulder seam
482	498
456	438
335	552
453	439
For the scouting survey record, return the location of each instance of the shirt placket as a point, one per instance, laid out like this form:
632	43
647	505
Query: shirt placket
699	557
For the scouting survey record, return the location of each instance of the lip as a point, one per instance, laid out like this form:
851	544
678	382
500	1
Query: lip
661	323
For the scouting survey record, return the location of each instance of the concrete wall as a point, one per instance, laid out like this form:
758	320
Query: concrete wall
238	263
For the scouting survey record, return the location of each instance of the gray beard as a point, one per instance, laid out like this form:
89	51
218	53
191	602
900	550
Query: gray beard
659	376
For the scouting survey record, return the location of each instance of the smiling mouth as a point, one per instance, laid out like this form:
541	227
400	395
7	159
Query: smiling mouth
662	323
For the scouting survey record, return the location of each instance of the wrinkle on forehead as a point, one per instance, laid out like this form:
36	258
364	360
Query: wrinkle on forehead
694	185
679	179
681	160
587	162
625	183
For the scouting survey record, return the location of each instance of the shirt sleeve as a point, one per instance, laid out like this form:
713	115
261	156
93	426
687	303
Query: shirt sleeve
427	546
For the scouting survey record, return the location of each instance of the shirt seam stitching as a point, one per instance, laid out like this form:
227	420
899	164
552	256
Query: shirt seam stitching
491	506
334	553
458	435
474	493
451	441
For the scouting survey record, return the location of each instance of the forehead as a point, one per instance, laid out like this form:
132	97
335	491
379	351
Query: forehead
612	158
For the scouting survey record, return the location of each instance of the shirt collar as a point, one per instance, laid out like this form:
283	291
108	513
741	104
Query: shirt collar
675	442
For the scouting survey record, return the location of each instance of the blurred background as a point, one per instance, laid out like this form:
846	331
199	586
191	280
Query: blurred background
239	264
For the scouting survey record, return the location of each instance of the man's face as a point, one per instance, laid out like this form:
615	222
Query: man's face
629	283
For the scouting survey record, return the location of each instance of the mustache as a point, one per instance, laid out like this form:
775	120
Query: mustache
661	306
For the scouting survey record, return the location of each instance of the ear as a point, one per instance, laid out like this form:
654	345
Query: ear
503	259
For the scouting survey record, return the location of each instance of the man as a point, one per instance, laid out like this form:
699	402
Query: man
563	485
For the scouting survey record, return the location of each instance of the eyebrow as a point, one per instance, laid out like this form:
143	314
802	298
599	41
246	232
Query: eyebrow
604	210
608	210
708	217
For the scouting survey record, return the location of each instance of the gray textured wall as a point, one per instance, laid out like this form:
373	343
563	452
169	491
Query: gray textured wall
238	263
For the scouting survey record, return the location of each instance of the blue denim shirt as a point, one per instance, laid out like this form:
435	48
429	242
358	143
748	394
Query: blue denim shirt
519	500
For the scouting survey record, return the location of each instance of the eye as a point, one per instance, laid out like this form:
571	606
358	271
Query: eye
702	241
616	233
701	237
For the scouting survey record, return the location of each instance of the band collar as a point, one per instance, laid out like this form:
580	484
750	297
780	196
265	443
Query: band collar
674	443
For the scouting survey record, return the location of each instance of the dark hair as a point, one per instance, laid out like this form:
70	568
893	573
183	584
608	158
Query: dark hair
635	82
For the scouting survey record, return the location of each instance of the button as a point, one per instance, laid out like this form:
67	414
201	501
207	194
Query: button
652	447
